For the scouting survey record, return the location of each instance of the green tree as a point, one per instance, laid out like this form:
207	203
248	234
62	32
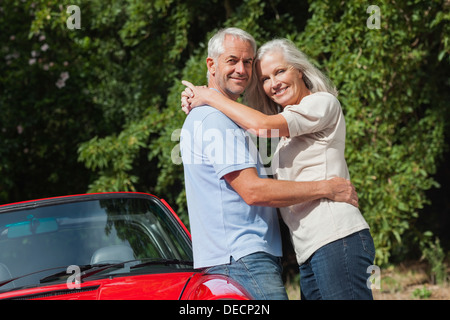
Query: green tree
97	108
45	110
140	156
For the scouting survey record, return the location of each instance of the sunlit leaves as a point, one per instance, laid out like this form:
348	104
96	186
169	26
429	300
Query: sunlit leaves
95	109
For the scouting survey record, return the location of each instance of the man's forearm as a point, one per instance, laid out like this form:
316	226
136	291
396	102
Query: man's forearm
279	193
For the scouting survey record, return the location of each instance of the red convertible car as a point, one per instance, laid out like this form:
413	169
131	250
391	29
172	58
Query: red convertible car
103	246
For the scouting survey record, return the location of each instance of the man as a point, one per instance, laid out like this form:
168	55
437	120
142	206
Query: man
234	225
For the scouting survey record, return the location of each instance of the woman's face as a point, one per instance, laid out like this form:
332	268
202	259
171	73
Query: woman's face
281	82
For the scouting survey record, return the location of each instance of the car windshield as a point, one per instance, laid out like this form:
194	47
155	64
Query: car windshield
88	232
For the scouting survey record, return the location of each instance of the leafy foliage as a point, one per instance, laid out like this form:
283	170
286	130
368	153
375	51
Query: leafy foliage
97	108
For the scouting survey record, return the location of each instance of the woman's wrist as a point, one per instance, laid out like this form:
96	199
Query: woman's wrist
211	96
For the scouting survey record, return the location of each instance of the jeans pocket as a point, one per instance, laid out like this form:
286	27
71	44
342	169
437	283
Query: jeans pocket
367	243
219	269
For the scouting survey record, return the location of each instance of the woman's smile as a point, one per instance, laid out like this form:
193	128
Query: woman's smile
280	91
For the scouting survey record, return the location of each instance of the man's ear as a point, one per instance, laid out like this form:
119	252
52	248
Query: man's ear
211	64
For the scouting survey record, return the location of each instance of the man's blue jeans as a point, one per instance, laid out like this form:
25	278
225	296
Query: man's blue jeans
338	270
259	273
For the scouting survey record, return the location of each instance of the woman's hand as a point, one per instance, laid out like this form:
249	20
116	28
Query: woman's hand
193	96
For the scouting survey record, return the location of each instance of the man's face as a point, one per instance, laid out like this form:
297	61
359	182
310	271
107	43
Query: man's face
231	72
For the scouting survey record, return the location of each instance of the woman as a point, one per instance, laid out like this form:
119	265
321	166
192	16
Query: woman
332	241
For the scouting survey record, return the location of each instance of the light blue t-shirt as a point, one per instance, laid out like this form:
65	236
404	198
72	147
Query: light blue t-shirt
222	224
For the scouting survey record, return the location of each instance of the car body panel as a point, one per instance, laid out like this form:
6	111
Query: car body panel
184	286
171	281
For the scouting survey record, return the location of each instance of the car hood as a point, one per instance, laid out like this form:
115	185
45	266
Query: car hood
139	287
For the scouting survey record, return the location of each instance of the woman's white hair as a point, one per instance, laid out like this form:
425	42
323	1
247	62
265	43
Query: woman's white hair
215	44
314	79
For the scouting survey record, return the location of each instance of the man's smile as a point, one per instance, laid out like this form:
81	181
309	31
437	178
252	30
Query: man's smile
238	78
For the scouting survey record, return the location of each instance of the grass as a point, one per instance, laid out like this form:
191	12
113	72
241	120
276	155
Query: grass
407	281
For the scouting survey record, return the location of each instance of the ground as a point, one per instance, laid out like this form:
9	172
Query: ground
407	281
410	281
